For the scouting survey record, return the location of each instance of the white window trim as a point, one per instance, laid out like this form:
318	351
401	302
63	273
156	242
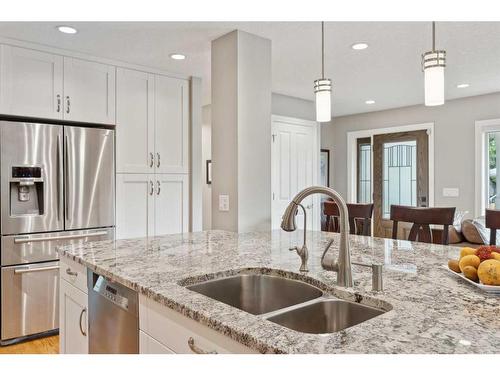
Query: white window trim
352	155
481	128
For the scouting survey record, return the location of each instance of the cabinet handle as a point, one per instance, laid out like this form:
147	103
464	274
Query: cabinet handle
157	160
58	103
151	188
151	160
158	187
196	349
68	104
71	273
84	333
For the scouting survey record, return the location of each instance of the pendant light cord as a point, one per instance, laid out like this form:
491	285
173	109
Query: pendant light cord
433	36
322	49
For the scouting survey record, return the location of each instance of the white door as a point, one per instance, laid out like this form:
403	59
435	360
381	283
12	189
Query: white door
31	83
73	320
135	121
172	204
171	125
89	91
295	158
134	205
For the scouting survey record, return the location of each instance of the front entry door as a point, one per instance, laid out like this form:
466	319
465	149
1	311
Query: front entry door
400	176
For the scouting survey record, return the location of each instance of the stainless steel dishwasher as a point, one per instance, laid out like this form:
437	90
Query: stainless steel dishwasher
113	317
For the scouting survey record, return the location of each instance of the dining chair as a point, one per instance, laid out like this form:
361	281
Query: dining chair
360	216
492	222
422	218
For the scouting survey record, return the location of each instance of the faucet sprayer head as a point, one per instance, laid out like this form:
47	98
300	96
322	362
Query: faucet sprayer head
288	220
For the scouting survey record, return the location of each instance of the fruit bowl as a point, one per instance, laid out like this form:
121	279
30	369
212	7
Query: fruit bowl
493	289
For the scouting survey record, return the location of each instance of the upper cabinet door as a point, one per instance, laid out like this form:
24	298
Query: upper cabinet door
31	83
135	121
171	125
89	91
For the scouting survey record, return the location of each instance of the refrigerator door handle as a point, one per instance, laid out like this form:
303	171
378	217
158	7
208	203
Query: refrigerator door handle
58	177
27	239
66	176
22	270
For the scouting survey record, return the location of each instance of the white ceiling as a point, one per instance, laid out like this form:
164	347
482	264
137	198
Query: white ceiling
387	72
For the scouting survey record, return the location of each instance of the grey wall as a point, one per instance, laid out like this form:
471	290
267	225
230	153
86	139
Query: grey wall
290	106
282	105
453	142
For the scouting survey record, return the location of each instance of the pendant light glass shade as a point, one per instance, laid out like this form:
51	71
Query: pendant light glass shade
323	92
433	64
323	87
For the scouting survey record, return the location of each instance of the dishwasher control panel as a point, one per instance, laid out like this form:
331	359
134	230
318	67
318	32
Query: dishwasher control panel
106	289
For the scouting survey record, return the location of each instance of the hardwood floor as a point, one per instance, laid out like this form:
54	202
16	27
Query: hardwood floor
47	345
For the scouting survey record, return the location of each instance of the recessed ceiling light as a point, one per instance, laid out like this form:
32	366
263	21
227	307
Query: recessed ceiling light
370	101
463	85
359	46
177	56
67	29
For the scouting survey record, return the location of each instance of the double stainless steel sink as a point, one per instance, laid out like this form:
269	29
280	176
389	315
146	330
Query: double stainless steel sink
291	303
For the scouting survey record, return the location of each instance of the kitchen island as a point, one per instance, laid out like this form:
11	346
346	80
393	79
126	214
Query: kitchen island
428	310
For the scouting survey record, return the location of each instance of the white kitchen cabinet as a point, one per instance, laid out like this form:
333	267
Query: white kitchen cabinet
151	204
73	320
135	120
171	203
89	91
181	334
148	345
31	83
135	200
171	125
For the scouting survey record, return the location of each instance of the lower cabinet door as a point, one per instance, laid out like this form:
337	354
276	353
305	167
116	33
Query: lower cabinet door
73	307
134	205
171	203
148	345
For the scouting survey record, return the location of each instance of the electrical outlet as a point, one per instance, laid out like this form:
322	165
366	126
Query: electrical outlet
223	202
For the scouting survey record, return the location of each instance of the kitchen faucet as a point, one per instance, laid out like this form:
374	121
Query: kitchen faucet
343	264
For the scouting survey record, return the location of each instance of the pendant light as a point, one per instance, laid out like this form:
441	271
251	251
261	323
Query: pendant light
323	87
433	64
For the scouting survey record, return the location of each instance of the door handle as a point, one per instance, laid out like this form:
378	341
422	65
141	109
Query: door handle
58	176
27	239
18	271
84	310
151	188
195	349
158	187
158	160
66	190
58	103
151	160
68	104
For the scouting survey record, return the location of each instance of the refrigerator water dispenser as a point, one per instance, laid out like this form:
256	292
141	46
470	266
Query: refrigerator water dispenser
26	191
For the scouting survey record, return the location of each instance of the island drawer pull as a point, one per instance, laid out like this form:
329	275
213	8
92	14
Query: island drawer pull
84	310
71	273
196	349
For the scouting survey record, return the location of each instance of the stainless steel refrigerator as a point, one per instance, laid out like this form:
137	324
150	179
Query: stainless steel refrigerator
57	186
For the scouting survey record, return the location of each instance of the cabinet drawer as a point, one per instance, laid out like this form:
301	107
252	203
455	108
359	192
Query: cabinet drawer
74	273
148	345
182	334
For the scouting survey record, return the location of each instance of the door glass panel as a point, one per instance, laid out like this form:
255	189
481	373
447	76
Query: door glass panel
493	171
364	173
399	175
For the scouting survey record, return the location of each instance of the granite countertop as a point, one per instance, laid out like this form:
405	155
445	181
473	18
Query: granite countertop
432	310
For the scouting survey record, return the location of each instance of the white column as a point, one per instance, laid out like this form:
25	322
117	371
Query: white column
196	159
241	131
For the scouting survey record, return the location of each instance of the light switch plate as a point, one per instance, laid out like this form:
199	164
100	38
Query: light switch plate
223	202
450	192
